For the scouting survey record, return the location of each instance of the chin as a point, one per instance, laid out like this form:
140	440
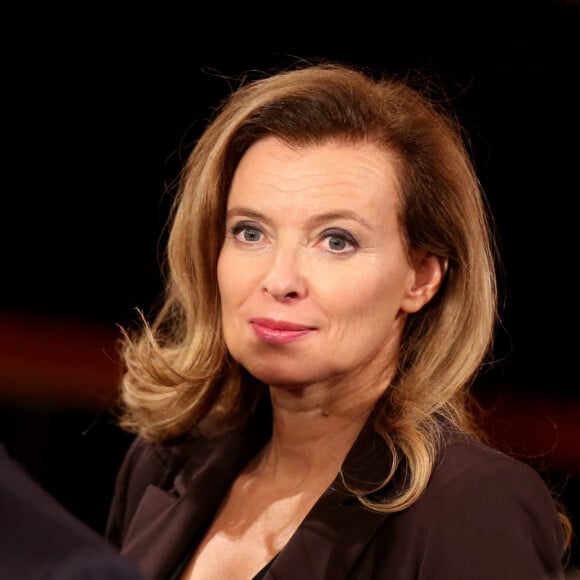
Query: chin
276	376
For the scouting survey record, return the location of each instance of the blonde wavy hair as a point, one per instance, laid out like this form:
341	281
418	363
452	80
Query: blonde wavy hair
178	370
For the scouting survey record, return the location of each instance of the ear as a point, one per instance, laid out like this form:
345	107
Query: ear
426	279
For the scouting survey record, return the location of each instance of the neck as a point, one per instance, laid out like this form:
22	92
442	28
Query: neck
314	427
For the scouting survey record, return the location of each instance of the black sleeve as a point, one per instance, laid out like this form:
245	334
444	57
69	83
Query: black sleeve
40	538
92	565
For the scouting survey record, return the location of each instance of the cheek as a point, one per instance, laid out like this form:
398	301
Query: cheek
226	285
365	298
227	272
221	277
227	291
236	280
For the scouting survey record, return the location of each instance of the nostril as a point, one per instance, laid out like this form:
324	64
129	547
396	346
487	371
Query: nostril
281	294
290	296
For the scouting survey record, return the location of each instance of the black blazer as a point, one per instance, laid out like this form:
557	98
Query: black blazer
40	539
484	515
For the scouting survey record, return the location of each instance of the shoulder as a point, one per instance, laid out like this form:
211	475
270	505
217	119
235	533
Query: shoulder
40	538
484	514
468	469
23	500
148	462
461	453
166	464
491	486
163	463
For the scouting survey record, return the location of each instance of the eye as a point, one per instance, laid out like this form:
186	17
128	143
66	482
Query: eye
339	241
246	232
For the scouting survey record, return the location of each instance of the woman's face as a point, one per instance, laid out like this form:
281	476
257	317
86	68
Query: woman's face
314	280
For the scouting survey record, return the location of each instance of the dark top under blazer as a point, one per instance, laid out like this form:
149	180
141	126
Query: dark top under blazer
41	540
484	515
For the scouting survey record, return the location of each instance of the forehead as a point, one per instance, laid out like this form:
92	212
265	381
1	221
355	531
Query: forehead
325	174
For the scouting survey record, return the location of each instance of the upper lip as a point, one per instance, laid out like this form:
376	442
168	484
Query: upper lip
279	324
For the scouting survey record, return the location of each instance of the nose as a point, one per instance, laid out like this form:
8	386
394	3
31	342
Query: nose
284	279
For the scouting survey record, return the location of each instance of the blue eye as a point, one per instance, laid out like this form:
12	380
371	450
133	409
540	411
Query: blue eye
339	241
246	233
336	244
250	234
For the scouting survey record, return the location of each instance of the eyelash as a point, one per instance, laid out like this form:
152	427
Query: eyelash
339	234
238	228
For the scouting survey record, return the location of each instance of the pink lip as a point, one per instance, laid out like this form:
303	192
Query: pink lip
279	331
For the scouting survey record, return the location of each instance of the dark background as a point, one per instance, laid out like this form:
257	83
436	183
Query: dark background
99	110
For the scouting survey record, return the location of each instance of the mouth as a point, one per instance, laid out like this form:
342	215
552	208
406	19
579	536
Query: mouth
279	331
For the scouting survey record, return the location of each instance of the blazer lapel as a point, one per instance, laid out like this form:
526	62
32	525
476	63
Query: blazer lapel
327	544
161	531
169	521
330	540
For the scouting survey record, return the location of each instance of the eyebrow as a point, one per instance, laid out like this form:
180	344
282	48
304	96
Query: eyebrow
246	212
319	219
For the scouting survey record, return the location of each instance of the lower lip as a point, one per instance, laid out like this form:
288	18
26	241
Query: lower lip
279	336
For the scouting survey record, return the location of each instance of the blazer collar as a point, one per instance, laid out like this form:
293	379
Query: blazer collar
326	544
173	515
335	532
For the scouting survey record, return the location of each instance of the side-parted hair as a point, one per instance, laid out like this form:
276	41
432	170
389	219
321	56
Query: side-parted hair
179	374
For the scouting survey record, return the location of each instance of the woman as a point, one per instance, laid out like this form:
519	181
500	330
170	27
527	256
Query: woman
301	396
